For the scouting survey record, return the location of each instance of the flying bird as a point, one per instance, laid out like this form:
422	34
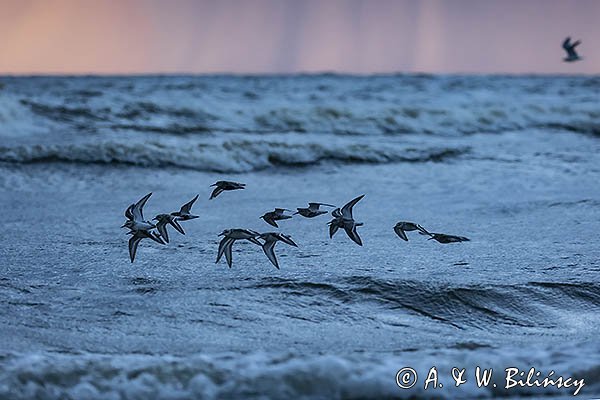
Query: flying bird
271	239
163	221
275	215
343	218
139	228
443	238
222	186
312	210
135	216
137	237
403	226
184	214
569	47
229	238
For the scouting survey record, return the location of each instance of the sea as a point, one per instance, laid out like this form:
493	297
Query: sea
511	162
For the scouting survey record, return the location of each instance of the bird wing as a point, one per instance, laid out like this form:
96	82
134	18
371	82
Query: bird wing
333	228
133	246
269	249
353	234
270	221
228	254
286	239
153	236
347	209
423	230
222	245
129	212
435	236
218	190
187	207
255	241
325	204
570	47
400	232
161	226
176	225
572	53
138	208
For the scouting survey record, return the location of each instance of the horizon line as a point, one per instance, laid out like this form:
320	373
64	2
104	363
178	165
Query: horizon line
274	74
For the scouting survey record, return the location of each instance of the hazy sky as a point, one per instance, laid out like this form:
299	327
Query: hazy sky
363	36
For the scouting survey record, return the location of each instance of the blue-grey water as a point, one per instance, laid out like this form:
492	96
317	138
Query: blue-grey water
513	163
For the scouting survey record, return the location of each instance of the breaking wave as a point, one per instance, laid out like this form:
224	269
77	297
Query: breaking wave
228	156
273	376
326	104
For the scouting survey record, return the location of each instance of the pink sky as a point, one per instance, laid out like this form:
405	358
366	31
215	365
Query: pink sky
262	36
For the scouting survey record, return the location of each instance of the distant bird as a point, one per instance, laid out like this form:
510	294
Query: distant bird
403	226
569	47
161	225
442	238
271	239
229	237
275	215
221	186
137	237
312	210
135	216
184	214
343	218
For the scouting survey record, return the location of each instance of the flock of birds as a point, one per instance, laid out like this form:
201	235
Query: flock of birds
140	229
343	218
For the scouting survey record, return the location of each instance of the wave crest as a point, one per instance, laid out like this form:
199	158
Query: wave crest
228	156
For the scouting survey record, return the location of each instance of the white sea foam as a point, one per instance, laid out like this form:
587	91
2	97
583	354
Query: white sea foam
285	376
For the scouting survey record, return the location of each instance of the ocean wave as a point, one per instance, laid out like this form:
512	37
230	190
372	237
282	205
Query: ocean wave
441	120
262	375
485	307
63	113
228	156
364	106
